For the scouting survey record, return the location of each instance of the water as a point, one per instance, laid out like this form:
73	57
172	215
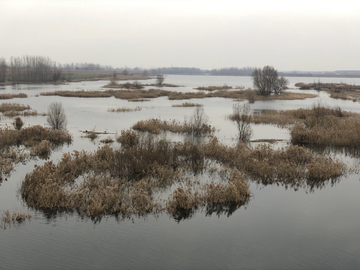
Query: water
279	229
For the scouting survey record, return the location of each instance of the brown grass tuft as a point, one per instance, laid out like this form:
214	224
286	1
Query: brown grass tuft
187	104
11	96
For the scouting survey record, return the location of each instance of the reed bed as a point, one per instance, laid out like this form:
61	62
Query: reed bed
173	95
187	104
80	94
213	88
11	96
156	126
33	135
123	181
125	109
16	107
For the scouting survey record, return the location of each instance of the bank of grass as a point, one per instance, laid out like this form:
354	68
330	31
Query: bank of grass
187	104
157	126
124	181
11	96
173	95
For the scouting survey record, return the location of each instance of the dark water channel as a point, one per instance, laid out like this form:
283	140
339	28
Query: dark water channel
280	228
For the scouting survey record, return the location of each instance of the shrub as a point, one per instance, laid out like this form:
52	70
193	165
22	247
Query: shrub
56	116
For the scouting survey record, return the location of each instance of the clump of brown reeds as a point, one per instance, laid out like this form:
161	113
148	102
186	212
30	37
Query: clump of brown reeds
107	140
187	104
123	181
213	88
16	216
92	135
125	109
7	107
156	126
33	135
128	138
42	149
11	96
9	157
80	94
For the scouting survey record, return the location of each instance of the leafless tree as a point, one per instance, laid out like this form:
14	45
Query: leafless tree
56	116
267	81
198	121
242	117
160	79
113	80
3	67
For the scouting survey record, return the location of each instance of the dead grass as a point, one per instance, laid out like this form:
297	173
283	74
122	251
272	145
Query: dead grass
156	126
123	181
125	109
41	150
138	99
15	217
33	135
173	95
213	88
187	104
16	107
11	96
80	94
107	140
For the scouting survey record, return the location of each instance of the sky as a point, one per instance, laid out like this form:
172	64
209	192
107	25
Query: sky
311	35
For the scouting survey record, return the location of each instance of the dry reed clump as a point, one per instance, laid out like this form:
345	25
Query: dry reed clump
92	135
16	107
125	109
128	138
156	126
16	216
80	94
9	157
33	135
11	96
123	181
213	88
290	166
42	149
187	104
107	140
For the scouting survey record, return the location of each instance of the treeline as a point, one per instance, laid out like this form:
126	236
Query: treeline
178	70
32	69
233	71
85	66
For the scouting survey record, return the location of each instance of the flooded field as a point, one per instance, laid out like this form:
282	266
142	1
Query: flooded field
311	226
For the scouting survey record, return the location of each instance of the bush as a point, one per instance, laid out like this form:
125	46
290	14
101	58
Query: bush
56	116
267	81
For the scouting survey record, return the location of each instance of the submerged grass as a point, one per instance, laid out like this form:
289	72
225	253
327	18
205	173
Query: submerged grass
125	109
16	217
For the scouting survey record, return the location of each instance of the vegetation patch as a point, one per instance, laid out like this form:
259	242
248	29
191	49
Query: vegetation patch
173	95
11	96
16	217
125	181
187	104
213	88
125	109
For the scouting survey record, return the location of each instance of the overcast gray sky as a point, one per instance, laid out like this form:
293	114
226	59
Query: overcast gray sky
287	34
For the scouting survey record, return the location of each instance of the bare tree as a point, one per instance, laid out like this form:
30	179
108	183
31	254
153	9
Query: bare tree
160	79
242	117
56	116
267	81
113	80
198	121
3	67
